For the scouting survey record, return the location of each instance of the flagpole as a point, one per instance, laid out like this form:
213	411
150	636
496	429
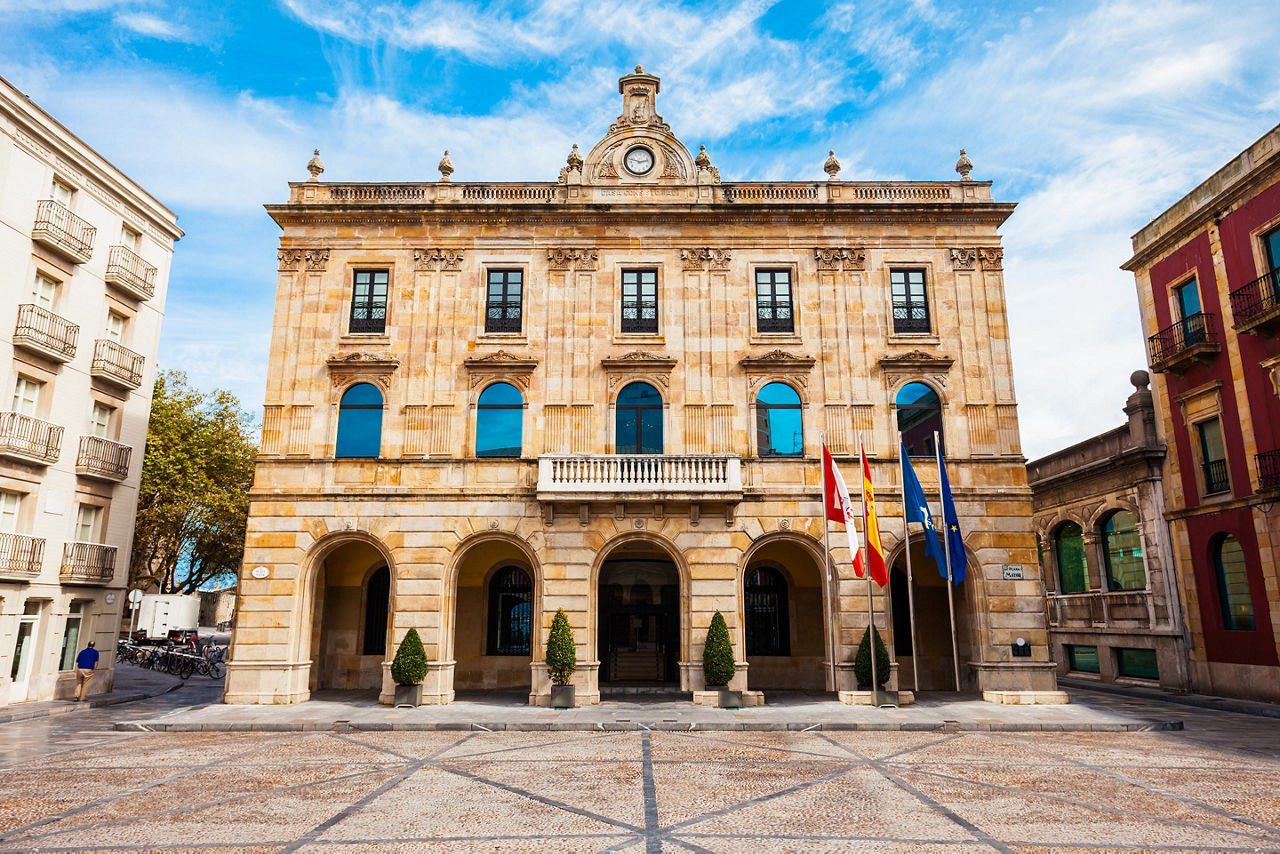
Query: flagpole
871	614
911	585
826	559
946	546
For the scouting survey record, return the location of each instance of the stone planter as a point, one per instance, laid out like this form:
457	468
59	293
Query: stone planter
409	695
730	699
563	696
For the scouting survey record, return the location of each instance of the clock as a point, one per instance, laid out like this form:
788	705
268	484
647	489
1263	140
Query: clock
638	160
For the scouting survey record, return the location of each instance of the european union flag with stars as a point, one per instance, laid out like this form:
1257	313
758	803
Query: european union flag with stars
916	509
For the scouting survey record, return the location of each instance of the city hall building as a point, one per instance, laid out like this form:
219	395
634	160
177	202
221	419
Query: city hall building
605	393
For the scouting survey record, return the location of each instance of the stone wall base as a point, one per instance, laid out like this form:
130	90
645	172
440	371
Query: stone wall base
586	679
1016	676
712	698
1026	698
267	682
863	698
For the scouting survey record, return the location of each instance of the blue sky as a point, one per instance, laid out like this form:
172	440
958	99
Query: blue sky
1094	116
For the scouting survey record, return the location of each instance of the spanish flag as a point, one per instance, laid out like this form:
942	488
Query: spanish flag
875	552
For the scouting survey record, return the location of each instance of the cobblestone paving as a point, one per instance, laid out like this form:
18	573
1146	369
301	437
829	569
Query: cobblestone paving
646	792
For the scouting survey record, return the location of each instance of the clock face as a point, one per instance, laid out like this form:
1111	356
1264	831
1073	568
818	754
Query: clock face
638	160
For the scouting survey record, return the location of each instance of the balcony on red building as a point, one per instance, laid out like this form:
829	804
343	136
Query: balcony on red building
1268	471
1192	339
1256	306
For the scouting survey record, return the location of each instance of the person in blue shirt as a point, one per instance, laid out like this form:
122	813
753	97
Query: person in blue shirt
86	666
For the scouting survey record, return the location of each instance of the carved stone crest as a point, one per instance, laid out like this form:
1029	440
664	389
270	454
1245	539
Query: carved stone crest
703	257
437	259
992	259
560	258
964	258
317	259
290	260
835	259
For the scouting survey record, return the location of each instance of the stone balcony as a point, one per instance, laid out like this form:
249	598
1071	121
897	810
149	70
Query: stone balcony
29	439
1127	609
20	556
126	270
41	331
62	231
116	364
88	563
639	477
103	459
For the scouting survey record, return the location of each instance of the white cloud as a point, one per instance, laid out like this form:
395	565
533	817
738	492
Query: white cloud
146	24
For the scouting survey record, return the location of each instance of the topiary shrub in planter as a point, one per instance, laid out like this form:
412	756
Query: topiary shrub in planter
562	661
717	661
408	669
862	662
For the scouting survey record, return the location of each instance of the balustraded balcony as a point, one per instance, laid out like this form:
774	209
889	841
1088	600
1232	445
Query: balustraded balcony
20	556
29	439
103	458
1176	348
127	271
64	232
1117	609
46	333
88	563
607	477
1256	306
116	364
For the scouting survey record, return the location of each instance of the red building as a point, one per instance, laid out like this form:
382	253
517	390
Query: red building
1208	276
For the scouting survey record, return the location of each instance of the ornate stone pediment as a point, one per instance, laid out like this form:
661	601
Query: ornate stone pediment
638	126
639	365
360	366
501	365
777	364
917	364
425	260
561	258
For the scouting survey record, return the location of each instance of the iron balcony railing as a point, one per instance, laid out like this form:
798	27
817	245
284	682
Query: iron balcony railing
88	563
103	458
640	317
58	227
21	555
1268	469
29	439
1216	478
42	330
117	364
126	269
911	317
1181	336
502	316
774	318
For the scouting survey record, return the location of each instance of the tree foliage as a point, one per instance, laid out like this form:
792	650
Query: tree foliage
562	652
194	498
409	667
862	662
717	654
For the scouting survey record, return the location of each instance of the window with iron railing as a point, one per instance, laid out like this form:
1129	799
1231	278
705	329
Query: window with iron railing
1191	330
1268	469
1213	457
640	301
910	301
504	301
773	301
369	301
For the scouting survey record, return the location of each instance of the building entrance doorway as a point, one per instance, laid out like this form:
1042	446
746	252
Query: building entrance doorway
933	625
639	630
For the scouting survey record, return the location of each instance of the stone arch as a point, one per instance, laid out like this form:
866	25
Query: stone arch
661	544
1113	505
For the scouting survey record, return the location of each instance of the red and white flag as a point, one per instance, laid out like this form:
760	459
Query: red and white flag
838	506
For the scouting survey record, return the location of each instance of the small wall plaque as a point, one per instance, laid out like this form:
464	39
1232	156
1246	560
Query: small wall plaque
1013	572
260	572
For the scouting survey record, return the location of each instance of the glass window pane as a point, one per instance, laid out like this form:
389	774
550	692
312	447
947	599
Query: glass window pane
627	421
651	431
1083	658
1122	550
1233	585
785	432
1188	299
501	394
919	417
1140	663
1273	248
498	432
70	639
1073	575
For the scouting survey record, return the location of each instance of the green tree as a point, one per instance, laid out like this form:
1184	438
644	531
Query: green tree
717	654
862	661
193	502
562	652
409	667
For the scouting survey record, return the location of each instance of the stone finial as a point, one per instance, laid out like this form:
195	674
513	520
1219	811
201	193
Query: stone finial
832	166
964	166
1140	380
703	160
639	69
445	167
575	158
314	166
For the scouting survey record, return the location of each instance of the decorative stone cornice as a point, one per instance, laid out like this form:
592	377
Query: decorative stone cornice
964	258
639	365
703	257
777	364
992	259
835	259
560	258
317	260
425	260
501	365
377	368
290	260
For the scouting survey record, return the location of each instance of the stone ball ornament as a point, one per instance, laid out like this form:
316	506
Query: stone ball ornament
1140	379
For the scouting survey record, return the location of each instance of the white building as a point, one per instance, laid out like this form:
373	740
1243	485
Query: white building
84	264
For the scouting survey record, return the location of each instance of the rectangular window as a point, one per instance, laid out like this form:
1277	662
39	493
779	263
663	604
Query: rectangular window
60	193
369	302
100	420
773	301
45	292
503	301
1213	457
1187	296
87	523
10	505
1138	663
640	301
1272	241
71	638
1083	658
26	396
115	327
910	302
129	238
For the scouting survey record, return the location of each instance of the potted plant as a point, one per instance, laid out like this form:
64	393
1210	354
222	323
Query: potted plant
562	660
862	667
717	663
409	668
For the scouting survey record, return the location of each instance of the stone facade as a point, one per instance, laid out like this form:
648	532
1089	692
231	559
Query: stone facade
84	267
1208	278
1123	624
640	550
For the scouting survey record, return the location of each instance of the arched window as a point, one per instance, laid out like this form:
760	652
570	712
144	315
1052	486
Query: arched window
768	628
499	414
919	416
779	426
360	422
1122	552
377	599
1068	547
1233	584
639	420
510	611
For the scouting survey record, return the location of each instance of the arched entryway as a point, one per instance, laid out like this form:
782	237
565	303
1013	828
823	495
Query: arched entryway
784	619
933	624
494	631
350	614
638	630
